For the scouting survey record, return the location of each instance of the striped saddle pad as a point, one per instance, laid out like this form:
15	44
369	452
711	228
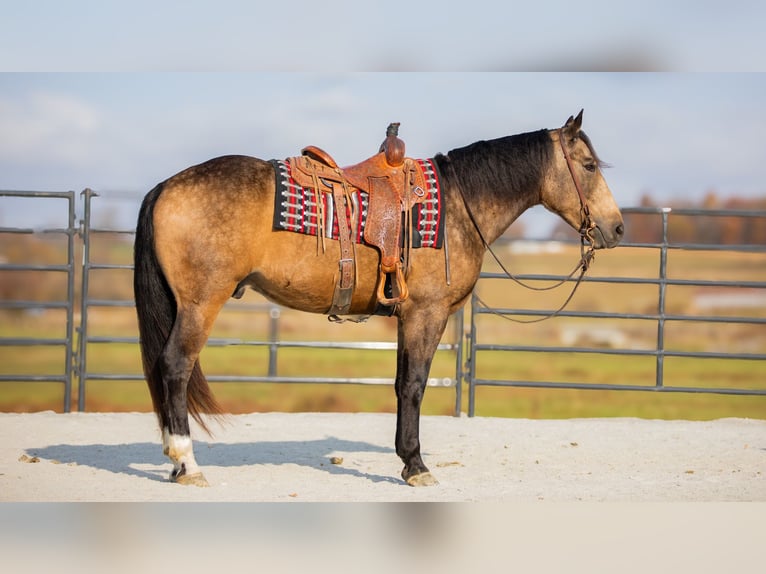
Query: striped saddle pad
296	210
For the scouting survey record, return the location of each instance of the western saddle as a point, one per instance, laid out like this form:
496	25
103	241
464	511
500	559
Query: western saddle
393	183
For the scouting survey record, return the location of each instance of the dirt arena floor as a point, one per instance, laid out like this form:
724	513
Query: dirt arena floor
349	457
599	495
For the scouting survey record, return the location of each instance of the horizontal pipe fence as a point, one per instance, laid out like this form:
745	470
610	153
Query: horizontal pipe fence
273	341
87	345
477	349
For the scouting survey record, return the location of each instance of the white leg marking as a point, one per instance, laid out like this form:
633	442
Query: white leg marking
179	449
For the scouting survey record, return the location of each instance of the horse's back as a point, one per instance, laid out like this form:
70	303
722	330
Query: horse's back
224	189
208	217
231	175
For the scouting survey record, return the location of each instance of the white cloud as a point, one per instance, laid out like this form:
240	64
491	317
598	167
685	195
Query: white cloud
47	128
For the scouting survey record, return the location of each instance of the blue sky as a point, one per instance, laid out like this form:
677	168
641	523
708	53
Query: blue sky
119	95
340	35
667	134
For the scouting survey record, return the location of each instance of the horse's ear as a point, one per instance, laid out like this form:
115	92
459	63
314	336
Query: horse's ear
578	120
573	125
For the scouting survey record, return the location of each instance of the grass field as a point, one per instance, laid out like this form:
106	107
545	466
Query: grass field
239	321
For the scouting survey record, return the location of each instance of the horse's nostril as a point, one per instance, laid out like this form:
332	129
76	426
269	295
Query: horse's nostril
620	230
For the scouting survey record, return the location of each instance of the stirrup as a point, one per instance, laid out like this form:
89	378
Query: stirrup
399	288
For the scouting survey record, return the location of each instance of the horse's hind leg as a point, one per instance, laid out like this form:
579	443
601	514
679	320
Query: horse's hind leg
177	361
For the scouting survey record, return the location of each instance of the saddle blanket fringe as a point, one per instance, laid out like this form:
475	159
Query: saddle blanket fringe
295	208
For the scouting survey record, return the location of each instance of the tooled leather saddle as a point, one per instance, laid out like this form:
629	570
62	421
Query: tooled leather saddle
394	183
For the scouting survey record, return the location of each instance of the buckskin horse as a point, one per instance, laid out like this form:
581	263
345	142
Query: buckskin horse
207	234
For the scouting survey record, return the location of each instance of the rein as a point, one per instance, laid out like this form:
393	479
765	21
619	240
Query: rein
586	254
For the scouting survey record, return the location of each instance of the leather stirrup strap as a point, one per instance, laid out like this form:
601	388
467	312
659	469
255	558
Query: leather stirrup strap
344	288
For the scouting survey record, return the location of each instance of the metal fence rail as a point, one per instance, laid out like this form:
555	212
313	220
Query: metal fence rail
273	342
662	317
77	366
64	342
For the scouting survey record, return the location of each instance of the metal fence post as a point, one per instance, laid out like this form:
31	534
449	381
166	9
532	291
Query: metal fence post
274	314
87	194
459	326
71	355
471	342
663	277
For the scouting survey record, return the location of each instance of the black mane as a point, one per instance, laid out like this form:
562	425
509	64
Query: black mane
509	165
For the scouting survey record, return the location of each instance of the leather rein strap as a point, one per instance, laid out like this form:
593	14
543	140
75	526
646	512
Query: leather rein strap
586	255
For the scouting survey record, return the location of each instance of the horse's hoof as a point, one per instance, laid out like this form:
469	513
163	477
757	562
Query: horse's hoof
196	479
422	479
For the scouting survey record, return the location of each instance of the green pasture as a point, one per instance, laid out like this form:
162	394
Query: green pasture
240	322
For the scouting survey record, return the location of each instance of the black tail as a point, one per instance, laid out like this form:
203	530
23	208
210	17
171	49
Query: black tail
156	309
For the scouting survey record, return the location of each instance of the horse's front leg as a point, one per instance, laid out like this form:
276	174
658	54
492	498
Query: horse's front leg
419	335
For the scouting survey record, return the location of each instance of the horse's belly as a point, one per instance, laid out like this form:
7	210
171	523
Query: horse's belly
307	280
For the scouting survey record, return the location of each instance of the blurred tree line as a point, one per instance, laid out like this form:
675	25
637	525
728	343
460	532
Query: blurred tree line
51	249
30	285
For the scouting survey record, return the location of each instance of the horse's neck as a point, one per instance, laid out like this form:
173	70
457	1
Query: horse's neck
494	199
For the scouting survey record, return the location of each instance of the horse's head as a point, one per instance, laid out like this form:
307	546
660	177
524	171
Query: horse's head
576	190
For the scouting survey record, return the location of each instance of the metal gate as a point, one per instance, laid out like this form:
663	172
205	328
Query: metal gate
81	343
63	343
611	341
273	341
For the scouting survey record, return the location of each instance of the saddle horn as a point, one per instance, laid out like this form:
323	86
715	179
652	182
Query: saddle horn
392	146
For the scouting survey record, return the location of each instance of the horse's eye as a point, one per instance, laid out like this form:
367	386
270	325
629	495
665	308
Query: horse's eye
590	167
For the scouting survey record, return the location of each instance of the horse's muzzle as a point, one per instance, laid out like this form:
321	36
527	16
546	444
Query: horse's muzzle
607	237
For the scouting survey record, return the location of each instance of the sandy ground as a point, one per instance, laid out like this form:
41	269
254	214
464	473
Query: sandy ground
595	496
349	457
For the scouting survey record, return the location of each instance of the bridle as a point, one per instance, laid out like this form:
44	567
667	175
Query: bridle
587	224
587	253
